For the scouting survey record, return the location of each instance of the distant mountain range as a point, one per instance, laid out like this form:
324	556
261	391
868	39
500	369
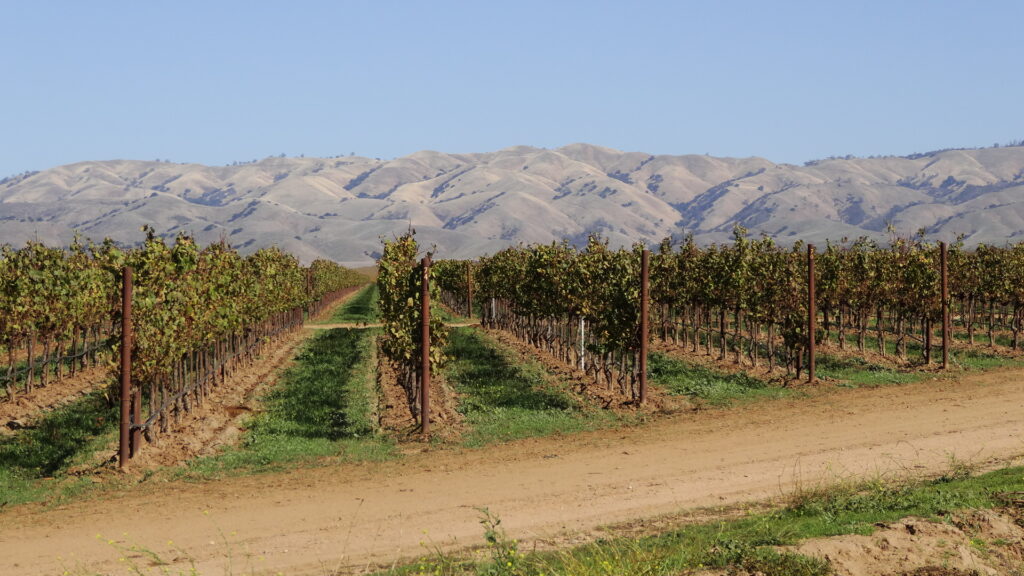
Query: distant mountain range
471	204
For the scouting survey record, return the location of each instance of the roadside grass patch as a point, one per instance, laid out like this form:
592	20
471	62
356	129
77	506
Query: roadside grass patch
715	388
360	308
322	407
747	543
504	398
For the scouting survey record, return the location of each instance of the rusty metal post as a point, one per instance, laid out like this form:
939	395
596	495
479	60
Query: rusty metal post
944	263
812	315
645	260
136	438
126	366
425	349
469	290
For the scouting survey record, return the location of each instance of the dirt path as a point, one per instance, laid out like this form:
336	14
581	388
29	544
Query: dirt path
316	521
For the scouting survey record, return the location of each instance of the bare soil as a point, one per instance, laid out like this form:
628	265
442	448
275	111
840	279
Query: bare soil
24	408
976	542
972	543
560	489
396	414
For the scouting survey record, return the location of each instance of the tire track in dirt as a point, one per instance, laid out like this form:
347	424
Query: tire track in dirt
350	516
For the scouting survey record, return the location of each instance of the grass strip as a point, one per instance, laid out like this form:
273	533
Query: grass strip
323	407
359	308
505	398
710	386
857	372
746	543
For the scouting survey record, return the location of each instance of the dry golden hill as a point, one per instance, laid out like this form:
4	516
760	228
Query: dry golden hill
469	204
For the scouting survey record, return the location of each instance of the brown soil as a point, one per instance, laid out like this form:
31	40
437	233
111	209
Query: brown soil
562	489
26	407
979	542
396	414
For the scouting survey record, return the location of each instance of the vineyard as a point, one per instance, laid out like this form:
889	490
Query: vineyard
751	303
191	316
532	341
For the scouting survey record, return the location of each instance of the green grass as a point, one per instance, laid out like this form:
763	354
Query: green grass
981	336
504	398
322	407
63	438
980	360
713	387
360	308
858	373
742	543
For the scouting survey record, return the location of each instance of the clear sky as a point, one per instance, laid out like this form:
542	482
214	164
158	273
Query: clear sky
218	81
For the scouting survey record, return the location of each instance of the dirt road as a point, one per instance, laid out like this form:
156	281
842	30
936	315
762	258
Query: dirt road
345	517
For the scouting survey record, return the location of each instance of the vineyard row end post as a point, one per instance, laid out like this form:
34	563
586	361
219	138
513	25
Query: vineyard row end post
944	264
425	348
811	315
123	452
645	259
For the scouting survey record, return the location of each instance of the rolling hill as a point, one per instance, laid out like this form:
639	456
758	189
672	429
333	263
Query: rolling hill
470	204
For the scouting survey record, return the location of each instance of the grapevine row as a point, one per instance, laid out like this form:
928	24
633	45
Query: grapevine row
400	280
745	300
196	312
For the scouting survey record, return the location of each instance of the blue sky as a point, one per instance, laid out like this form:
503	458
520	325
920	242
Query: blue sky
214	82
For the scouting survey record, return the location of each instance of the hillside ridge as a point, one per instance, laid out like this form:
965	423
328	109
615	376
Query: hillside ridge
470	204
